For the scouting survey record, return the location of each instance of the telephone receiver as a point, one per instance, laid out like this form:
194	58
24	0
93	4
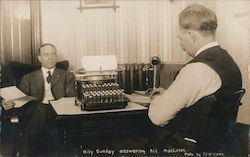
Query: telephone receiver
155	61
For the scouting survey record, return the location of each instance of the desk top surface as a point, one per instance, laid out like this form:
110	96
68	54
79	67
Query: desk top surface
66	106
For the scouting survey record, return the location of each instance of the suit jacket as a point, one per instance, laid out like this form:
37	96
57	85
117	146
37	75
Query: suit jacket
62	84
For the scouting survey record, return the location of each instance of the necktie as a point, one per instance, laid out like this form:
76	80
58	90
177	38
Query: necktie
49	77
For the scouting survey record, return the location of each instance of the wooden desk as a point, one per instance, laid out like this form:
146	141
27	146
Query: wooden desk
87	128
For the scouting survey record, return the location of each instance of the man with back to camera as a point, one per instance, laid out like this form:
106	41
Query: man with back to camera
47	83
183	110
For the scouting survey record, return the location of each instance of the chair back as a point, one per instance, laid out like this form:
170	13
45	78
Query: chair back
231	105
222	126
238	95
19	69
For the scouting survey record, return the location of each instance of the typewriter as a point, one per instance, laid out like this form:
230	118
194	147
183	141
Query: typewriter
97	86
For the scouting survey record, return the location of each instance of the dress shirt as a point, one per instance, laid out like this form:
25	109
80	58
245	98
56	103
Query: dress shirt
47	86
207	46
194	81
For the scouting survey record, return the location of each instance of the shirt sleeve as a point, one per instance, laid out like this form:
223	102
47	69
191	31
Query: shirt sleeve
194	81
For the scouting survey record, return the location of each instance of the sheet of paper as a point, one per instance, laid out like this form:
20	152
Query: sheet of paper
137	98
99	63
16	95
19	102
66	106
12	92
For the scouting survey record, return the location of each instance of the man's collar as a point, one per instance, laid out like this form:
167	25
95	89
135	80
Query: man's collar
207	46
45	70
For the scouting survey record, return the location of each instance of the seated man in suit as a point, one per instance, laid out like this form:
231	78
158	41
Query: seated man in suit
47	83
188	105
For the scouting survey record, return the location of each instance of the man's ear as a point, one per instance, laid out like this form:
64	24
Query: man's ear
39	58
192	35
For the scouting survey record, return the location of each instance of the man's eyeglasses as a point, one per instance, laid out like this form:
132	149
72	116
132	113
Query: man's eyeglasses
53	54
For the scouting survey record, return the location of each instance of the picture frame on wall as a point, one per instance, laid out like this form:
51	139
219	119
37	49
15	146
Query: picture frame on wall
95	4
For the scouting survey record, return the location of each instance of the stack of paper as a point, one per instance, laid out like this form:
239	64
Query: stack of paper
13	95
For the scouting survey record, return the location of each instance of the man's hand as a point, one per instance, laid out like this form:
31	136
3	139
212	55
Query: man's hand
157	91
8	104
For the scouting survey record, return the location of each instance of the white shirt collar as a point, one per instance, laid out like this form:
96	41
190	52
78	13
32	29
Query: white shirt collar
45	71
207	46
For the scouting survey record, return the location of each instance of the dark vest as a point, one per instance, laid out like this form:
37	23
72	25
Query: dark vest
209	115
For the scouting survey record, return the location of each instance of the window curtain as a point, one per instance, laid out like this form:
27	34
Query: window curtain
19	30
35	8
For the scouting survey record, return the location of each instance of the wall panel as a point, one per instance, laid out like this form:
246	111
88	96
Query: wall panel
135	32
